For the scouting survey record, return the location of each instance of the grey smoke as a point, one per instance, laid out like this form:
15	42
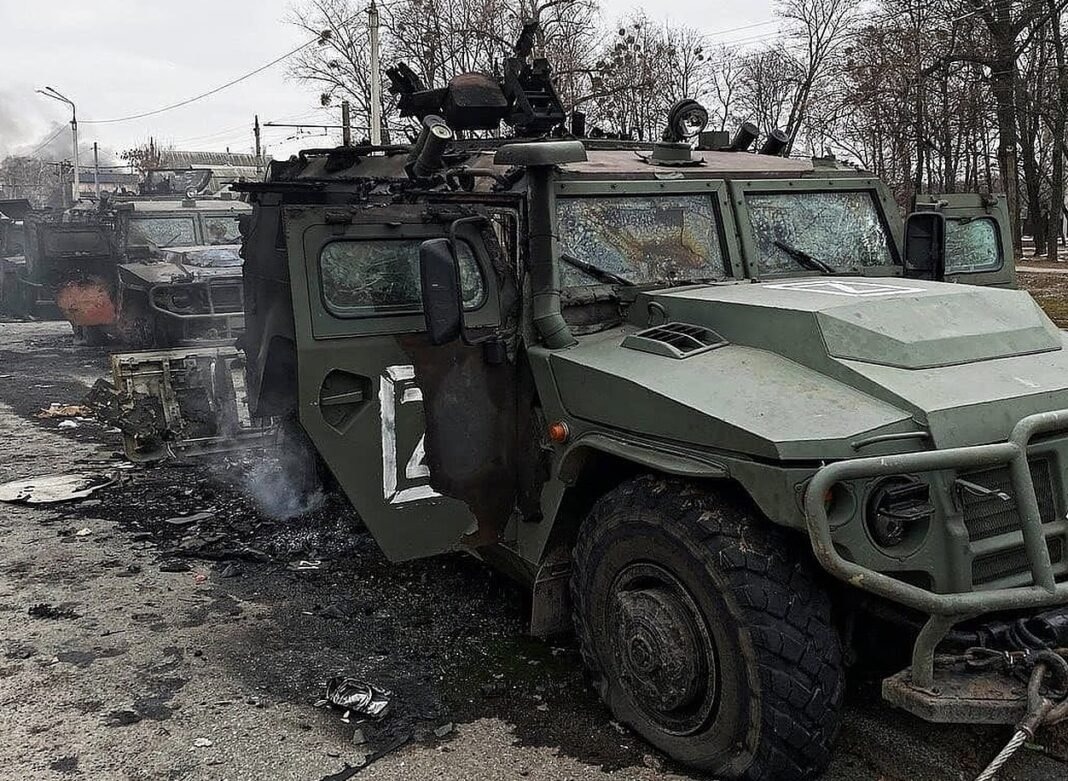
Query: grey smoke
19	137
285	486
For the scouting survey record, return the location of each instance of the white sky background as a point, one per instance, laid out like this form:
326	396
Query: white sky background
119	57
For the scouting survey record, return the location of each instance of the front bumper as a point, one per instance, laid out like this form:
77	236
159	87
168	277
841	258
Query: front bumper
945	610
216	307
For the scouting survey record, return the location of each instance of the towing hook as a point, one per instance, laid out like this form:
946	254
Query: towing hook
1042	709
1054	704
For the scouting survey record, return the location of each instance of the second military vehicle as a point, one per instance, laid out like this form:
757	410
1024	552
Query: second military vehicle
701	400
150	272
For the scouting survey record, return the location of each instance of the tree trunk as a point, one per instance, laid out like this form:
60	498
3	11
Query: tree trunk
1056	201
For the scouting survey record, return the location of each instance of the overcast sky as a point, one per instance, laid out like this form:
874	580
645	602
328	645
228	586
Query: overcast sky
120	57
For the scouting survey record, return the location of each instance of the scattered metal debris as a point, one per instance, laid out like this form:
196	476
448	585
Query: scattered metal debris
305	565
353	696
57	410
179	403
85	532
443	730
188	520
46	489
203	743
67	424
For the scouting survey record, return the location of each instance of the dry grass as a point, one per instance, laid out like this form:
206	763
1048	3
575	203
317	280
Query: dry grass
1050	291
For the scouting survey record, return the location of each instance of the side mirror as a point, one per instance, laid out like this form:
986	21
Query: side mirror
442	302
925	245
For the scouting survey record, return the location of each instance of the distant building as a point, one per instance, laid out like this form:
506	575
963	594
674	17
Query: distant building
225	167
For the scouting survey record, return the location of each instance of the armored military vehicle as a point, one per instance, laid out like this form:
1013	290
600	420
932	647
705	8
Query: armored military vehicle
151	272
180	282
706	402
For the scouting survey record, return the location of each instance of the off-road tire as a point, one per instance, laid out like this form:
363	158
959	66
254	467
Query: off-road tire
774	681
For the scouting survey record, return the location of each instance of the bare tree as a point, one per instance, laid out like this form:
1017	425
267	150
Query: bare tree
818	30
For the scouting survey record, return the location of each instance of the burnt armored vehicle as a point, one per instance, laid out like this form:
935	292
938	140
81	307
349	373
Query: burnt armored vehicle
180	282
706	402
149	272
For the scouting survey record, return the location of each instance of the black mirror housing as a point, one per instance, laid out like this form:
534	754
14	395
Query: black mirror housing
439	274
925	245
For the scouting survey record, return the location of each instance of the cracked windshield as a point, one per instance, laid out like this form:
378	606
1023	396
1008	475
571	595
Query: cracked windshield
221	230
641	240
841	231
162	232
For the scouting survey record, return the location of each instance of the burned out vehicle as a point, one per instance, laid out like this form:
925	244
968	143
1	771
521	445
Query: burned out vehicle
12	249
69	256
181	279
708	403
142	271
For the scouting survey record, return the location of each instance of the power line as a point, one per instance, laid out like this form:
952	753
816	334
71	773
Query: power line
321	38
47	141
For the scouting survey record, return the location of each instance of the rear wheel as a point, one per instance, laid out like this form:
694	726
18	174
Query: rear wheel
706	632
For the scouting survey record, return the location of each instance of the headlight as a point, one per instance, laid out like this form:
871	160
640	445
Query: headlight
898	509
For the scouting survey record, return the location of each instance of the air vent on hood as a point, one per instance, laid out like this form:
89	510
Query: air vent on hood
674	340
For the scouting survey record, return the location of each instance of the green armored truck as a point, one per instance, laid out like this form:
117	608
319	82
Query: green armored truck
706	402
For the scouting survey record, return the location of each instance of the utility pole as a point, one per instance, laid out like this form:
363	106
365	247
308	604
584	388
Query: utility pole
376	77
256	132
52	92
346	128
96	170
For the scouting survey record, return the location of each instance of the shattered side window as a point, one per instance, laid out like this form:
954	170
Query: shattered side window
844	230
972	245
381	276
162	232
643	239
221	229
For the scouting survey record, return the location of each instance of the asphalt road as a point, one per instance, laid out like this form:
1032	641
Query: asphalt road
173	655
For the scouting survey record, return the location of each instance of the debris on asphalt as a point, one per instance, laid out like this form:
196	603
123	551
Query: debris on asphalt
83	532
47	489
443	730
56	410
67	424
231	570
188	520
332	611
203	743
349	771
44	610
354	696
305	565
359	737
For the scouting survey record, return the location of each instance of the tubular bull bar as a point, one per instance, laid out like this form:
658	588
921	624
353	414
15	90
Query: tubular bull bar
946	610
207	287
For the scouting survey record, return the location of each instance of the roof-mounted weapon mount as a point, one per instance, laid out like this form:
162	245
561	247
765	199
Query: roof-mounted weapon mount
525	98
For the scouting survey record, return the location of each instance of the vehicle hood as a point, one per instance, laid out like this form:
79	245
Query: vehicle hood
806	367
185	264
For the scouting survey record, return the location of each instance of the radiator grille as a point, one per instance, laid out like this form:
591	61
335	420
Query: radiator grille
1014	561
988	516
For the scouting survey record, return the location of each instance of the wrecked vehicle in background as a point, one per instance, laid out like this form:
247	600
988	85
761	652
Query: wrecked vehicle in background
12	249
140	271
711	404
69	258
181	279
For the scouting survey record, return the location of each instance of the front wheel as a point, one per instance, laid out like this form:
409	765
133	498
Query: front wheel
706	632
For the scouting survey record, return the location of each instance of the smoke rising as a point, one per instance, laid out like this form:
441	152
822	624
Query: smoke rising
19	137
287	485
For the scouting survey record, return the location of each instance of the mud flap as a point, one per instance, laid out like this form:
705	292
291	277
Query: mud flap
180	403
